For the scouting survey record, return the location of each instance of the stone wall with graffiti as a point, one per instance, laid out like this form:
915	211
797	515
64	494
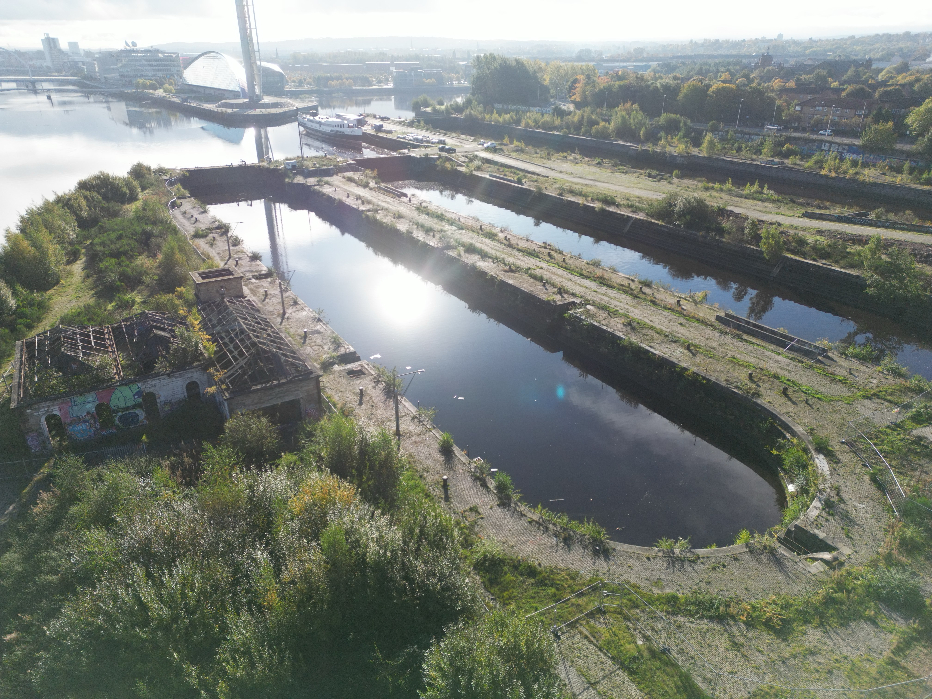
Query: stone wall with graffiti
108	410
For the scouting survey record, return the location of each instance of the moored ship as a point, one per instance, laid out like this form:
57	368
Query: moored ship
337	128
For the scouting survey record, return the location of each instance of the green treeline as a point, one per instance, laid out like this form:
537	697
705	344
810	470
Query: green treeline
250	573
660	104
119	223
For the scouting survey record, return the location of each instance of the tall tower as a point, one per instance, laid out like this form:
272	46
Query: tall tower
249	42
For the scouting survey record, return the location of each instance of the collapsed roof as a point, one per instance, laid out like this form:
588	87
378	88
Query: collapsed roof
94	351
251	351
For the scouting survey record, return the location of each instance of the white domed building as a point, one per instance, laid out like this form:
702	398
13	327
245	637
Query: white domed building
217	74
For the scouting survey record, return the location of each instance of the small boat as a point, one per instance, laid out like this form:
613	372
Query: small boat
333	128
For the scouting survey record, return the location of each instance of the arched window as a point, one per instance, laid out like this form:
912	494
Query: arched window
193	389
55	426
104	415
150	406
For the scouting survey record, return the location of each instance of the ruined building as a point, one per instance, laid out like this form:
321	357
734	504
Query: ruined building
88	382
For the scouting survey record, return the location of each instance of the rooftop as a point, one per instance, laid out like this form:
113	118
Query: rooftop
66	360
251	351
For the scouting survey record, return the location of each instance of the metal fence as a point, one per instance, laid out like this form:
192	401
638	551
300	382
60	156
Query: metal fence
723	658
905	482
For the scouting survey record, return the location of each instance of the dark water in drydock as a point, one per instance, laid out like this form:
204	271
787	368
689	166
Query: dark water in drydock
747	298
568	440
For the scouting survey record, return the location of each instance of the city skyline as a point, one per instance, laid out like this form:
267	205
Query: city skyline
107	24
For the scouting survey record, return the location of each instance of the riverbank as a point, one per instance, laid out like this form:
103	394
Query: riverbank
820	397
471	497
742	172
241	116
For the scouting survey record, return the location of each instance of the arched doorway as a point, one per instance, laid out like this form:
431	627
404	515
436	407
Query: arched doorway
150	406
55	427
193	390
104	416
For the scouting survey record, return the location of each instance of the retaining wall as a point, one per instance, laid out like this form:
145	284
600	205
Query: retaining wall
556	326
900	195
809	279
227	117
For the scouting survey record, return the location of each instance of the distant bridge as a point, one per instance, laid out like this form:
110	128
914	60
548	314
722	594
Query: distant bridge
30	82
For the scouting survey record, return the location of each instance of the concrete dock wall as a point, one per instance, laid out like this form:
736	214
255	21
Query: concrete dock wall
914	197
700	401
801	276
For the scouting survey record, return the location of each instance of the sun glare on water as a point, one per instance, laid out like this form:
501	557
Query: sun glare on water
402	299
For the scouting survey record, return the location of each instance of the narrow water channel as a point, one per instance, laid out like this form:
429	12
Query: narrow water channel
569	441
747	299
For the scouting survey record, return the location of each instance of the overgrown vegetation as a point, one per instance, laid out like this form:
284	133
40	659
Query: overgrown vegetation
132	252
258	574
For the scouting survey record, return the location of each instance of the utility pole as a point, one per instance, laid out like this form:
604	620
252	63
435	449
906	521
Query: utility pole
738	120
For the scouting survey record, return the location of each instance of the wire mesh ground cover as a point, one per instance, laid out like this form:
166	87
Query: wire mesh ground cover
727	659
897	449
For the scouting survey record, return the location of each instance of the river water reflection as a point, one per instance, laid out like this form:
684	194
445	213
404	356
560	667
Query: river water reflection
748	299
569	441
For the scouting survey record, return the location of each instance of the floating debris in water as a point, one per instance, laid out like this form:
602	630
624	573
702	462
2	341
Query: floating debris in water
376	356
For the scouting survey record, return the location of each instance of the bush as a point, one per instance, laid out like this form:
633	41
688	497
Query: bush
685	210
369	461
446	444
499	657
254	437
35	264
126	583
173	263
145	177
111	188
878	138
771	243
504	487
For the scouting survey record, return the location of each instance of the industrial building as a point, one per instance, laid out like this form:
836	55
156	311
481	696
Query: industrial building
87	382
126	66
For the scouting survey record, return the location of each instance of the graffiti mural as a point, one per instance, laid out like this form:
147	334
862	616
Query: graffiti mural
79	414
35	441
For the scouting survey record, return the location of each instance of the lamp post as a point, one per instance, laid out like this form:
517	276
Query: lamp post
738	120
230	235
395	377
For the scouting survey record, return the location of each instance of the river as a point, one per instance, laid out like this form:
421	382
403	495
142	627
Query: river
748	298
569	441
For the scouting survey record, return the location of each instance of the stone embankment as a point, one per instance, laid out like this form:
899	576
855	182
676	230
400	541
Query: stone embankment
741	171
653	336
242	117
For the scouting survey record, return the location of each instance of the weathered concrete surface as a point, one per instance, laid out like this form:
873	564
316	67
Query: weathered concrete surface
570	172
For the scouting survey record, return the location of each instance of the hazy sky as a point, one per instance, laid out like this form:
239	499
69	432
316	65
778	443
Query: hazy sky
106	23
